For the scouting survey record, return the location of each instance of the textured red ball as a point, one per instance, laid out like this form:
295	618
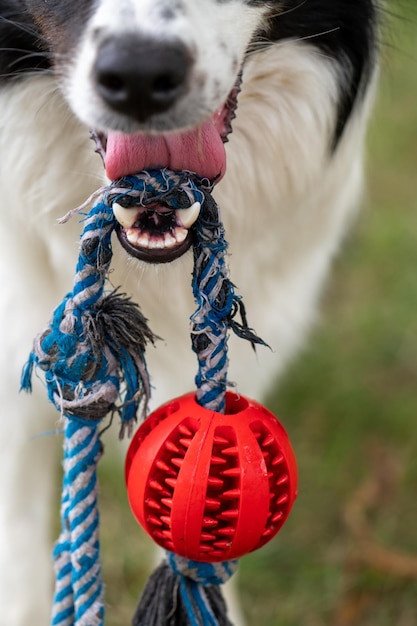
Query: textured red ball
211	486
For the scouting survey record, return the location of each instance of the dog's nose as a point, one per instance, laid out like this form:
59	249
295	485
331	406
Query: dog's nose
140	78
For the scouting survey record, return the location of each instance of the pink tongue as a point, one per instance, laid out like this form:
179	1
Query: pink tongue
200	150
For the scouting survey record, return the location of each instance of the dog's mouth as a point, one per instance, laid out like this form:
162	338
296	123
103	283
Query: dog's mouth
155	232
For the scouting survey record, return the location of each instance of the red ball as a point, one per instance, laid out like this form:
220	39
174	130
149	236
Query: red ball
211	486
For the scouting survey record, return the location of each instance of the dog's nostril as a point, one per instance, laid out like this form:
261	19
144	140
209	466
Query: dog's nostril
112	82
140	78
165	83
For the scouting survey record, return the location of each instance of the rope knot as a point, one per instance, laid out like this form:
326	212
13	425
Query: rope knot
95	341
203	573
175	190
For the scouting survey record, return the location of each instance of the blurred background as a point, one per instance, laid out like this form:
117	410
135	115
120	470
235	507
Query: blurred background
348	554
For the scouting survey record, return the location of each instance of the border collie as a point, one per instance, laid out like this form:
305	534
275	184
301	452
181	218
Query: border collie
159	82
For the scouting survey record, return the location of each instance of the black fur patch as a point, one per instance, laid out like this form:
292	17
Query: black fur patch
344	30
21	47
61	22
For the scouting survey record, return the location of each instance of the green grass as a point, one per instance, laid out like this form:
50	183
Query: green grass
350	405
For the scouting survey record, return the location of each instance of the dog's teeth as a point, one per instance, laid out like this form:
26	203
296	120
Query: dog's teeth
156	243
143	239
180	234
137	237
187	217
170	241
131	235
125	217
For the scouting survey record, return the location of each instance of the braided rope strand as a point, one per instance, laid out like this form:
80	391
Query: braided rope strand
82	452
94	343
214	295
63	606
78	588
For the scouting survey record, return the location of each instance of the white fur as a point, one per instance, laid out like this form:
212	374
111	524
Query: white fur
286	203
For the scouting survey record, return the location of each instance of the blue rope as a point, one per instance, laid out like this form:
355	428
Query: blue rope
202	573
85	375
79	593
215	298
78	383
216	301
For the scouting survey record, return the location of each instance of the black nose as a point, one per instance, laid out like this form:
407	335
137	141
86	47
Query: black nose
140	77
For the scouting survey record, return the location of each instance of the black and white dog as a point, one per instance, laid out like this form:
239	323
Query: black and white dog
158	81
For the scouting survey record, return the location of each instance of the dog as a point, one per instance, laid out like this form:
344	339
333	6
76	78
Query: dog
161	82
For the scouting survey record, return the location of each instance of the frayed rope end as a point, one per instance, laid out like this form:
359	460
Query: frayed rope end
181	592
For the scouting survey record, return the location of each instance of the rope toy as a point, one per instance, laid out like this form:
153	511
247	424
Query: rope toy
92	354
